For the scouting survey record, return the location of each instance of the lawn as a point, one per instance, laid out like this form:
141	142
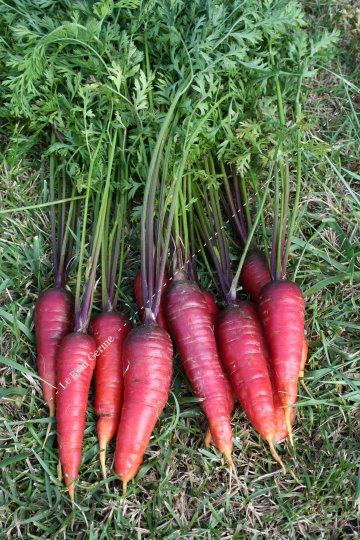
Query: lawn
184	490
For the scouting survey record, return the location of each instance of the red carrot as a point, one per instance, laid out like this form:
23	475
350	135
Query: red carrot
281	307
211	304
191	326
214	310
77	353
239	337
54	310
109	330
161	318
75	365
147	377
54	318
255	274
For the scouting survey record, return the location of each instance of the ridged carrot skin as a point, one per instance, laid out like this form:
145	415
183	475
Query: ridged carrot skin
54	318
255	274
238	332
214	310
148	354
75	366
282	310
161	318
191	327
109	330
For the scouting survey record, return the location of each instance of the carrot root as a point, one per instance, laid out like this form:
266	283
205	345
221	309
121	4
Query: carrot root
276	456
288	425
71	491
208	438
102	457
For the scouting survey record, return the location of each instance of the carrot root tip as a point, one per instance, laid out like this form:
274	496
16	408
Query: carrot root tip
208	438
124	487
227	454
71	490
276	456
288	425
102	456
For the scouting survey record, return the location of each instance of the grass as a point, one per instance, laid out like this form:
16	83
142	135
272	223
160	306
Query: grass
184	490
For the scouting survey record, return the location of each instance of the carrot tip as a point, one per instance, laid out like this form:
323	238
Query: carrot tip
288	425
227	454
47	435
71	490
124	487
208	438
102	456
276	456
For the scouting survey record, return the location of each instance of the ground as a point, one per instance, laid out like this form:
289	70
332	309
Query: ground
184	490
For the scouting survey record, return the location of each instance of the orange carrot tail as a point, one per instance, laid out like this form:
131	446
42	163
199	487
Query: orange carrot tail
71	491
228	456
102	457
208	438
124	487
51	415
276	456
288	424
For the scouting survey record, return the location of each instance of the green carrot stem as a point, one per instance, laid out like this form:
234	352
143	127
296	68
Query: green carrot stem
84	226
235	281
298	180
82	318
245	200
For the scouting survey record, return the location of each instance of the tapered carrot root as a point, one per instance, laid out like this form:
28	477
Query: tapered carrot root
147	377
281	307
214	310
75	366
54	318
255	274
161	318
238	333
191	327
109	330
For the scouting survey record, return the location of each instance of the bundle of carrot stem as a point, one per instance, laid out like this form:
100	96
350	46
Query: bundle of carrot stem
166	159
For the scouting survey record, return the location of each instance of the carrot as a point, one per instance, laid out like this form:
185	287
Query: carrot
109	330
161	318
211	304
54	309
147	377
54	318
255	274
282	308
191	327
77	354
75	366
239	337
214	310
